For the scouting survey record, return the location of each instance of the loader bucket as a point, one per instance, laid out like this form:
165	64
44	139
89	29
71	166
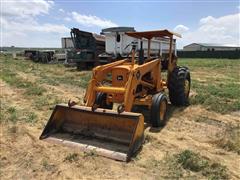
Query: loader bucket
104	132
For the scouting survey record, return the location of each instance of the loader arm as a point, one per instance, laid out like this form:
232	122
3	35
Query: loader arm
129	90
135	79
100	72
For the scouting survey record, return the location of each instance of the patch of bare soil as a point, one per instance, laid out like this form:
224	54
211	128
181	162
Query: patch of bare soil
24	156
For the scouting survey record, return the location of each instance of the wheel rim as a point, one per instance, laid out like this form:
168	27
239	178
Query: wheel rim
163	108
186	88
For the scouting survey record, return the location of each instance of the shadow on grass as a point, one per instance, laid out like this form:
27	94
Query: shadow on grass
147	117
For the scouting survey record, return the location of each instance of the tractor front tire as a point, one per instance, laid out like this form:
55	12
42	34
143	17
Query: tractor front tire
159	110
101	101
179	86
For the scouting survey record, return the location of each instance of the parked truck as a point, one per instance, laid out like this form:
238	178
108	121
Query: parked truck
113	44
42	56
86	48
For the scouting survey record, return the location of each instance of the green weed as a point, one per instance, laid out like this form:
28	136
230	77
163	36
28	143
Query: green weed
13	116
215	171
31	117
2	116
72	157
173	168
167	168
47	166
192	161
91	153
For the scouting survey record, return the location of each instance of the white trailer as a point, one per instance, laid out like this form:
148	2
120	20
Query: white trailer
119	44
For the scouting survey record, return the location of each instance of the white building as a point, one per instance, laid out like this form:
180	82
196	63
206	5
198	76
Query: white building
210	47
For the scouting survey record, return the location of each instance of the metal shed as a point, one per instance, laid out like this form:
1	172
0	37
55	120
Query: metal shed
210	47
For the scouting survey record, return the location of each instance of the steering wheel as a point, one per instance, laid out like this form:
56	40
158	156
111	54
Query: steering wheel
133	44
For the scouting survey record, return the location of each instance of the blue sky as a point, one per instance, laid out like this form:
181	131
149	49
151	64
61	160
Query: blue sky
41	23
143	15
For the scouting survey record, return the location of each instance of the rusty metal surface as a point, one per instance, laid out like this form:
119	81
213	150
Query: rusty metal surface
110	134
151	34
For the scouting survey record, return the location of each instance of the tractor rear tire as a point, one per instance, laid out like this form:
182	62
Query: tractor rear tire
179	86
101	101
158	110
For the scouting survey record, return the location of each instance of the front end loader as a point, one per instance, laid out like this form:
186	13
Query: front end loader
106	124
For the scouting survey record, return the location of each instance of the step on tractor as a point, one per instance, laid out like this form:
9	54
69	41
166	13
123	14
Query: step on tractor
106	124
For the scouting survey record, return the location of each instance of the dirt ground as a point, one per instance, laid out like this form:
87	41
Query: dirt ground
24	156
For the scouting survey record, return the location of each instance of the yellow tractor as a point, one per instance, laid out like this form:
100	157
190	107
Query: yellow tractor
106	124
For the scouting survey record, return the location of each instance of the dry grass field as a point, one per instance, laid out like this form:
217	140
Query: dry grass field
200	141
